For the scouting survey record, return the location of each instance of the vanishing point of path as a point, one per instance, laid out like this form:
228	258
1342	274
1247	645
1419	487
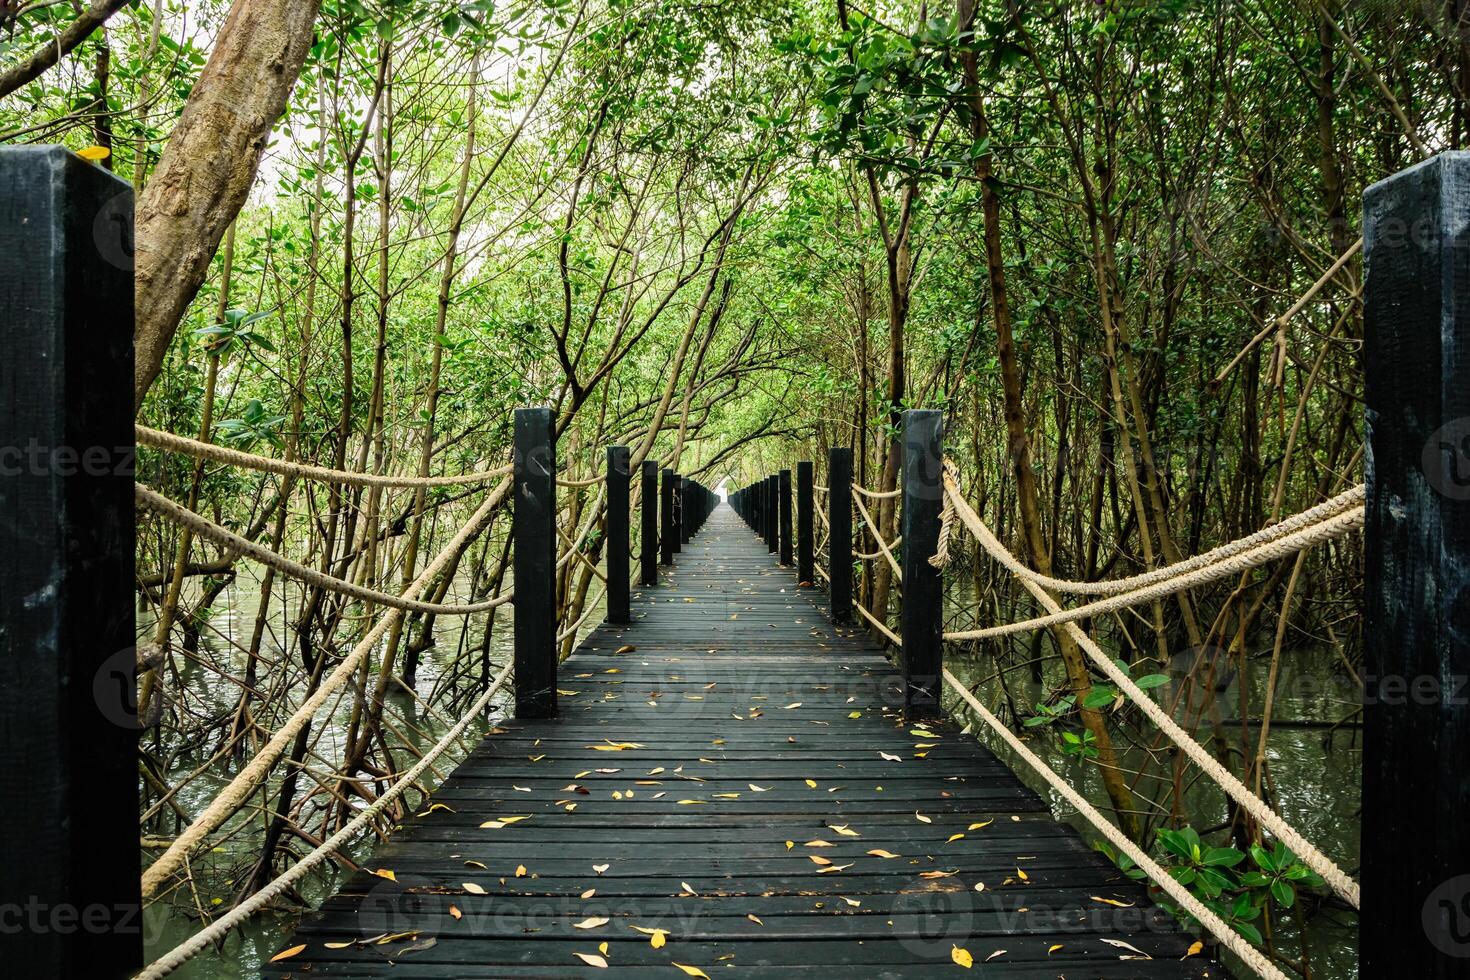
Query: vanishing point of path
730	791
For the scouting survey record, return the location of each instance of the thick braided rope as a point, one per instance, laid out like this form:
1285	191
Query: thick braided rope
1308	537
940	558
1335	877
1217	927
219	928
1344	501
587	611
170	442
882	626
247	780
871	555
589	482
878	538
875	494
235	544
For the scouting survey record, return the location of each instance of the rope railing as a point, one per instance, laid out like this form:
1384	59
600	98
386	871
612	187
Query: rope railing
877	494
878	624
237	791
1309	854
588	609
878	540
1216	926
235	544
1327	529
222	926
173	443
590	481
1348	500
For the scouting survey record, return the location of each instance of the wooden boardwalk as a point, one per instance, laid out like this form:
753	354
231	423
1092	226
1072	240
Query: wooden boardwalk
732	770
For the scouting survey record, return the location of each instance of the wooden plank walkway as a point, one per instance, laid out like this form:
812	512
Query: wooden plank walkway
739	731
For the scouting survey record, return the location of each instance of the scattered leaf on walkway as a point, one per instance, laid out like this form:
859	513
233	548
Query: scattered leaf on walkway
473	888
961	956
591	923
592	959
286	954
1122	945
693	971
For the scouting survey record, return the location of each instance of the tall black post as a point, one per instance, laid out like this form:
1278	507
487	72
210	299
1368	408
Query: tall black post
648	540
805	540
686	508
773	514
922	616
618	549
678	513
68	703
666	518
783	492
1415	917
534	562
839	544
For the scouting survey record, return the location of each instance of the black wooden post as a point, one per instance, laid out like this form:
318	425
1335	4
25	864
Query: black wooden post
68	704
534	530
805	541
666	518
618	549
783	492
773	514
922	616
1415	917
678	514
839	520
648	540
686	509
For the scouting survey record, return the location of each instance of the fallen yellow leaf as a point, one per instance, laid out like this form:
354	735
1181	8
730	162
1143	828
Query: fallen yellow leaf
286	954
592	959
693	971
961	956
